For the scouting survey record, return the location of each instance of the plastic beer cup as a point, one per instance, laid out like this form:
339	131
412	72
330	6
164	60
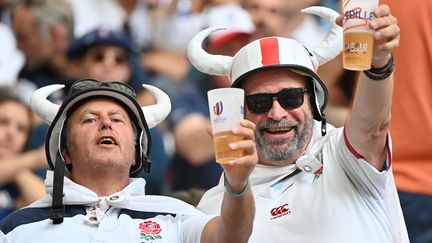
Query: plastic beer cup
358	37
226	107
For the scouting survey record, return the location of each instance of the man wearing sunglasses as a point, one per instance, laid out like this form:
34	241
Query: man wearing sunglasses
106	55
314	183
97	145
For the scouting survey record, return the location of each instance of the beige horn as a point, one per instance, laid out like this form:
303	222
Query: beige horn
332	45
204	61
44	108
155	114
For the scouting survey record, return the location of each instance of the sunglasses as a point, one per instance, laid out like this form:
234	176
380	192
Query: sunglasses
288	98
98	55
91	83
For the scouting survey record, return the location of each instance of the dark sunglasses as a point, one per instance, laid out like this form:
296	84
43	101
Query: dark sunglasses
91	83
99	55
288	98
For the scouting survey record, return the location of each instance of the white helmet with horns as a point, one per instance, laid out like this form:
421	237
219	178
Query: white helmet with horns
274	52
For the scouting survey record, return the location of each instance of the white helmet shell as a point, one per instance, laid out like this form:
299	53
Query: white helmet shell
278	52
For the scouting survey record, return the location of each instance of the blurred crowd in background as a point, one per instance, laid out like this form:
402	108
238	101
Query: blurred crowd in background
46	42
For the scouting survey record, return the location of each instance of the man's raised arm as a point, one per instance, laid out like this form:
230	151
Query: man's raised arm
367	126
238	207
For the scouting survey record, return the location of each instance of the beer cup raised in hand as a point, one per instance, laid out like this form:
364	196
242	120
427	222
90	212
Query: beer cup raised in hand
226	107
358	37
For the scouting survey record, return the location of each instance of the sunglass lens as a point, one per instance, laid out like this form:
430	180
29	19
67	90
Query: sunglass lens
259	103
121	58
98	57
291	98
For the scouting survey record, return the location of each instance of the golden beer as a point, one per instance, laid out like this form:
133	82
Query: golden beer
222	151
357	52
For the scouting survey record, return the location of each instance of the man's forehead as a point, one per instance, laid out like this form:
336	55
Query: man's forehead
98	105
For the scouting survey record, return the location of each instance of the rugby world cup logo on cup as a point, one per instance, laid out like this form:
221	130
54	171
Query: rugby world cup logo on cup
218	108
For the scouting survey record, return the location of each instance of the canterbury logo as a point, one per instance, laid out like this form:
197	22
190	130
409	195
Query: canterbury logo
280	211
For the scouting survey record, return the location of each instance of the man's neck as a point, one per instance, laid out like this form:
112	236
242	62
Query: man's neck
103	183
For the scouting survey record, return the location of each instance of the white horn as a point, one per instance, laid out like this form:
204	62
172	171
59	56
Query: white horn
204	61
155	114
44	108
332	45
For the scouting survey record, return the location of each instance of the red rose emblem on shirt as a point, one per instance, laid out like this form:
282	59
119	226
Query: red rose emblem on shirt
150	228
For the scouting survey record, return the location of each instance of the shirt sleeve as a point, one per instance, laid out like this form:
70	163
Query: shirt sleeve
192	227
366	178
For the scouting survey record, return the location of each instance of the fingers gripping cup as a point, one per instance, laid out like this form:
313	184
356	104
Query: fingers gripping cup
358	37
226	107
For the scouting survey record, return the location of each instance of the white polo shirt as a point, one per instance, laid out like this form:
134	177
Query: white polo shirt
126	216
350	201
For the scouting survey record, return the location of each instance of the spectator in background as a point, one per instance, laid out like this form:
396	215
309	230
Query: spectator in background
411	114
194	165
11	60
108	55
130	16
19	186
283	18
43	30
160	29
174	23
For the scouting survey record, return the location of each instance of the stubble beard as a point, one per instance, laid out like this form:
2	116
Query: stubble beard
283	151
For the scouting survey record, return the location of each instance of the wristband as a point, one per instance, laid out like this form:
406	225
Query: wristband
231	192
382	72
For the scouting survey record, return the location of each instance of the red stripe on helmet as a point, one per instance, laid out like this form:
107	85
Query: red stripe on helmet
269	51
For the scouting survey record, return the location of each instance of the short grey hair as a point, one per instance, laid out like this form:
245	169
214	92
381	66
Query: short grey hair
50	12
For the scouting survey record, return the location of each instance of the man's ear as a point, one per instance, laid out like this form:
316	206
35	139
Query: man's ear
66	157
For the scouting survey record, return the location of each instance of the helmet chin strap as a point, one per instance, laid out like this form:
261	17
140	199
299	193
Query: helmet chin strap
147	163
57	208
323	125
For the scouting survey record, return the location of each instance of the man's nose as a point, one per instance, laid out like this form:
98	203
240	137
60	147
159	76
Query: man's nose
277	112
109	60
105	123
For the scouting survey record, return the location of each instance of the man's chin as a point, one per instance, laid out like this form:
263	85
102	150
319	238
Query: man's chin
279	153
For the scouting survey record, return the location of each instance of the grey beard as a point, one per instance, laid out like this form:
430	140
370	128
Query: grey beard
285	149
